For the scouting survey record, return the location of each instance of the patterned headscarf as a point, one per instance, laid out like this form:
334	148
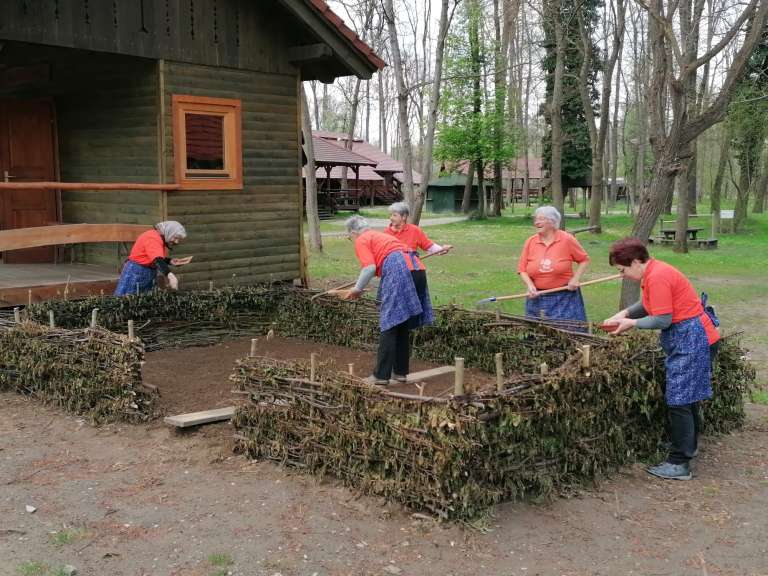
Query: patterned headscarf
171	230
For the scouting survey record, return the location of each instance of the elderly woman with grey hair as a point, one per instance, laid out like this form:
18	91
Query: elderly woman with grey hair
400	310
149	256
546	262
414	238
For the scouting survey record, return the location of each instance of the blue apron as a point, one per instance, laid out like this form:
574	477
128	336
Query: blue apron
397	294
689	371
135	279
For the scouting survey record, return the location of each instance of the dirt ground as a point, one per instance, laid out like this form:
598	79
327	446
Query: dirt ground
146	500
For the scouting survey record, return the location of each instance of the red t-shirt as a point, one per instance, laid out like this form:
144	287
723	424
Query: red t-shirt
413	237
667	291
147	247
373	247
551	266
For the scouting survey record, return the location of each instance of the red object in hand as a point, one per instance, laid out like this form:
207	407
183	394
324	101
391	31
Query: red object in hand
609	327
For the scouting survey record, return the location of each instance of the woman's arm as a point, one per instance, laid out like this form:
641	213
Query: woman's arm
532	291
575	281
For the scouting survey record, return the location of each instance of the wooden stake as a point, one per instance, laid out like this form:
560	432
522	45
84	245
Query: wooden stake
254	341
585	355
458	385
210	286
51	320
312	366
351	369
131	333
544	368
499	357
94	316
16	316
498	315
29	298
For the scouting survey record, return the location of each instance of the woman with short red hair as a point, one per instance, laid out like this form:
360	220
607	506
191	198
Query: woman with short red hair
689	338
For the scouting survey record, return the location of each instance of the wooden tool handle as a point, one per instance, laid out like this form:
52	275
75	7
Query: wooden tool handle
560	289
341	287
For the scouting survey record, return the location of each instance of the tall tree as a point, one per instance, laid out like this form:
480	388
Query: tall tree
313	219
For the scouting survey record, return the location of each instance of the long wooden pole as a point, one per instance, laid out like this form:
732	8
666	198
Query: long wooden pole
551	290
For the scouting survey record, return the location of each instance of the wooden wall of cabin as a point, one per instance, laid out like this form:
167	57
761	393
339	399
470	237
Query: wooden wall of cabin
253	235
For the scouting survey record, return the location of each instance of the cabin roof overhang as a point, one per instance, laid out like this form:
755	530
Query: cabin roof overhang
338	50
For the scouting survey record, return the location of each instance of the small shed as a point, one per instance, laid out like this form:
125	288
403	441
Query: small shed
444	194
116	115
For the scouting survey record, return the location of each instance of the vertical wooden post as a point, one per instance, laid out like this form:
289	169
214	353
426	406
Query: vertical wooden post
131	333
29	298
458	384
254	341
590	328
351	369
210	286
499	357
544	368
498	315
51	319
585	356
94	316
16	315
313	366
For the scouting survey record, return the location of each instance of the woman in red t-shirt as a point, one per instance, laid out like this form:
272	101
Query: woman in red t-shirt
400	310
547	262
689	338
149	256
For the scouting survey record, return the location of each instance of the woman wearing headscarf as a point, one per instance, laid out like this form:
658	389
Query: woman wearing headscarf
414	238
547	261
148	256
689	338
400	310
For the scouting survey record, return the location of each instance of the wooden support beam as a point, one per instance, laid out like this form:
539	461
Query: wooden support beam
458	383
88	186
198	418
309	52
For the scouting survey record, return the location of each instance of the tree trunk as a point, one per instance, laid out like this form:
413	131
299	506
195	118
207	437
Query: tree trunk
466	200
352	123
475	16
402	105
313	220
714	199
555	111
434	102
683	204
762	185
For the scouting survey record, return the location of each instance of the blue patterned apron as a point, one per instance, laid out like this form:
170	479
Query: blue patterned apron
689	371
397	294
427	316
135	279
564	305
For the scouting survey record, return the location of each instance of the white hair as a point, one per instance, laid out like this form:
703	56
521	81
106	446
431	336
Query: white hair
400	208
356	224
550	213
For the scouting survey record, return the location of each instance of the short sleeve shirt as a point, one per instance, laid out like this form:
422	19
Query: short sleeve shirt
667	291
147	247
372	247
551	266
412	236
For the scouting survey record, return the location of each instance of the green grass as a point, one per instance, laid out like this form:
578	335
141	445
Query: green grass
484	264
220	560
67	536
760	397
32	569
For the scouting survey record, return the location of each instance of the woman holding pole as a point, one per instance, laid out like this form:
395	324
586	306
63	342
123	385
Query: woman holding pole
689	337
414	238
546	262
400	310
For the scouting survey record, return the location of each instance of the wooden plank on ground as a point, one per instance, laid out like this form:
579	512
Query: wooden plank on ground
431	373
198	418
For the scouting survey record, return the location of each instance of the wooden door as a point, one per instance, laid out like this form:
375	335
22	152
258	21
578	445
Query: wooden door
27	155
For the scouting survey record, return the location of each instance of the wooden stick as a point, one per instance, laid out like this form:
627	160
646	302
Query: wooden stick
210	286
131	333
499	357
312	366
254	341
544	368
351	369
585	355
458	383
16	315
341	287
51	320
551	290
29	298
94	316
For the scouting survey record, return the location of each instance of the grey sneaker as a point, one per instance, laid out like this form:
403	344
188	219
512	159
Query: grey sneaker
399	378
670	471
375	381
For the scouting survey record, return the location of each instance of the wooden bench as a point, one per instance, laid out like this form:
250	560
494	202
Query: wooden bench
21	238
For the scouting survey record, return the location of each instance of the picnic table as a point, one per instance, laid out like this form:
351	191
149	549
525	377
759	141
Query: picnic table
670	233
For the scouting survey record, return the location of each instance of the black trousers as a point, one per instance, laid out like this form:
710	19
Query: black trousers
394	352
685	425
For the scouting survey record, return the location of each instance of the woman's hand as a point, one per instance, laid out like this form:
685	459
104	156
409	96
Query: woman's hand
620	315
532	291
573	284
622	325
173	282
349	294
181	261
446	248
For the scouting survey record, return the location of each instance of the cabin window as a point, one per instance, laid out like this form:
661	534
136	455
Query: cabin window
207	143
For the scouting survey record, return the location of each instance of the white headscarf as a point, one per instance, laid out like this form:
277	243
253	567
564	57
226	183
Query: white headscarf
171	230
